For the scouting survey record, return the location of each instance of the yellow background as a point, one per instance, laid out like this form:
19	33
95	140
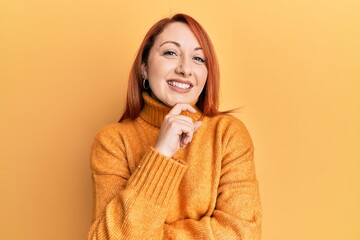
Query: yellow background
294	66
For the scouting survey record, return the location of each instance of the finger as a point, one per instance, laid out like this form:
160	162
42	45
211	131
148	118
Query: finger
187	137
180	124
180	119
184	140
197	125
179	107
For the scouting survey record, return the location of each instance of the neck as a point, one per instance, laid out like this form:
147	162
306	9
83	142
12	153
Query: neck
154	111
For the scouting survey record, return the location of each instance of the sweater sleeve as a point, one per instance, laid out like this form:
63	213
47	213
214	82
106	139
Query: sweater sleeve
237	213
130	206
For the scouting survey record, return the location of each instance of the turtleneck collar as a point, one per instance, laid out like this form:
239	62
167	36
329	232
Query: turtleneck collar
154	111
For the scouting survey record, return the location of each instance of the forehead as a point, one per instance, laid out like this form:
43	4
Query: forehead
179	32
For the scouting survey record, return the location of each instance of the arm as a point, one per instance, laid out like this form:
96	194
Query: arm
130	206
135	207
237	214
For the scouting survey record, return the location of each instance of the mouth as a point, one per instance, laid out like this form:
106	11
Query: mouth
180	84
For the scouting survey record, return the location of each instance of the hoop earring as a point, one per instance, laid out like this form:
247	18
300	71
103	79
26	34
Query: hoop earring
146	84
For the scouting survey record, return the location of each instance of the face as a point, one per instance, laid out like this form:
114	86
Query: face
176	66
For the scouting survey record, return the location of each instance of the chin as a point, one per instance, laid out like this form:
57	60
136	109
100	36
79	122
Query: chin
169	104
171	101
181	100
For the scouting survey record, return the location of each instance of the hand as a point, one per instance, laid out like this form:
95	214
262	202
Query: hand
176	130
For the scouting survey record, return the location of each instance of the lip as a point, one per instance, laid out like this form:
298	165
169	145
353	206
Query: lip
179	90
180	81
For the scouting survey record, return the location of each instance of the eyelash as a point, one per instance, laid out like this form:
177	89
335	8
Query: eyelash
200	59
172	53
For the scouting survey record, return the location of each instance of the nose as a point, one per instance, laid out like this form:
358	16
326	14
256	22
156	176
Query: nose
184	67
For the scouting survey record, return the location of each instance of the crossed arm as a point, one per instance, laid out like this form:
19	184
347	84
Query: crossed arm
135	206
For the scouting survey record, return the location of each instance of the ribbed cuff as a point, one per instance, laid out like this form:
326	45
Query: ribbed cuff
157	177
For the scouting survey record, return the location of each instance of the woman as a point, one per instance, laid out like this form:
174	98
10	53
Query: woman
175	167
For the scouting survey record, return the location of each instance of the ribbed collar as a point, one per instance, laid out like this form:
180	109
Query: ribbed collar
154	111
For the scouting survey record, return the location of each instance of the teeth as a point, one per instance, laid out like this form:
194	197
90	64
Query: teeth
179	85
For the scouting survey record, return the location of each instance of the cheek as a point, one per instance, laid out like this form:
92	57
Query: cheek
159	69
152	70
202	76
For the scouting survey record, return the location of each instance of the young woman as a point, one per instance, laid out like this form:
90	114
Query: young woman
175	167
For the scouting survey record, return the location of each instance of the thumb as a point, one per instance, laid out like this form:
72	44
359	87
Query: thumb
197	125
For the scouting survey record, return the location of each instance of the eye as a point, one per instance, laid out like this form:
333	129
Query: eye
199	59
169	53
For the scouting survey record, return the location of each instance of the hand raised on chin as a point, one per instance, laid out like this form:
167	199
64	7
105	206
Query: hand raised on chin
176	130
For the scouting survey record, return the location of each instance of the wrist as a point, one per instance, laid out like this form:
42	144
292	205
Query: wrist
163	151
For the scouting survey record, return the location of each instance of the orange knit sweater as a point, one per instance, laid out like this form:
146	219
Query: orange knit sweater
207	190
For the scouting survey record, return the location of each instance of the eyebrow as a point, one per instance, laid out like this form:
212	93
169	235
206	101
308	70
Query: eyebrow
178	44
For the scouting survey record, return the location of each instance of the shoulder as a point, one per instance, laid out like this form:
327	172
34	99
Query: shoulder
227	122
114	131
230	128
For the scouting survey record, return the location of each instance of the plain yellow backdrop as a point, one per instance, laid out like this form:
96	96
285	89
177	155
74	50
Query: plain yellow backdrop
294	67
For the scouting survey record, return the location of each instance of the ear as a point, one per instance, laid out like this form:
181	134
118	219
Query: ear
144	71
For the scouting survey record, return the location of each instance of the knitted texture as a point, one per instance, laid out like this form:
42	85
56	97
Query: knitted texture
207	190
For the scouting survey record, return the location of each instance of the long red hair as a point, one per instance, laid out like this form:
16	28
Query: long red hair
208	101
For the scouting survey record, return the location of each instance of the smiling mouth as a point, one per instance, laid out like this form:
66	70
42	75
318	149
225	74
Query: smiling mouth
179	85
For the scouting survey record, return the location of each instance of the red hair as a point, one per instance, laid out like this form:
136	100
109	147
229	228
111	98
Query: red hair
208	101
